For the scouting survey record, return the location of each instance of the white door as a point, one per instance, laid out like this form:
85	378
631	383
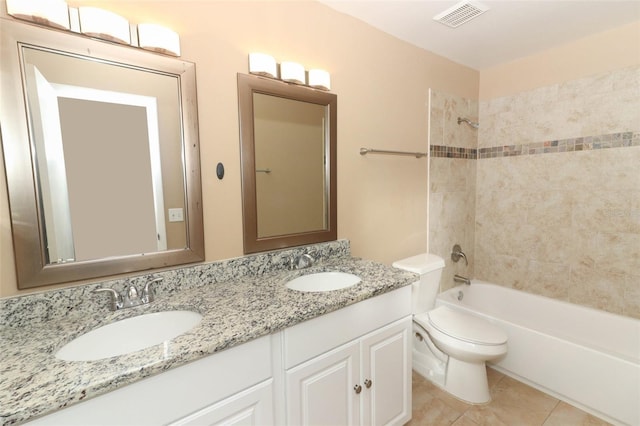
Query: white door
321	391
251	407
386	369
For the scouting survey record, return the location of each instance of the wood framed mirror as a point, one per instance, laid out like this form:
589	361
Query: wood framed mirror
101	154
288	137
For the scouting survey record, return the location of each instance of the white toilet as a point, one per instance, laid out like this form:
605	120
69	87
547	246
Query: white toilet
450	347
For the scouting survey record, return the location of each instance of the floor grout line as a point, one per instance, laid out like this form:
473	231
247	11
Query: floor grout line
551	412
513	402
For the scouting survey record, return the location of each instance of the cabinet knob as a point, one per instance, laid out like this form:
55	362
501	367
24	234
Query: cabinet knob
357	388
368	383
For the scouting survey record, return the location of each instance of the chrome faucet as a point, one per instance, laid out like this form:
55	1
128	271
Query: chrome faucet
457	253
131	296
303	261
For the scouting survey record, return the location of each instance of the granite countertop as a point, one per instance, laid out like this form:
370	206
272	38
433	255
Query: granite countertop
235	311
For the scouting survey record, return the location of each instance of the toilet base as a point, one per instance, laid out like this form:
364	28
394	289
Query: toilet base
429	367
467	381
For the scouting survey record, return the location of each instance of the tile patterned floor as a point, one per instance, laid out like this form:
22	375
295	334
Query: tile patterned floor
513	404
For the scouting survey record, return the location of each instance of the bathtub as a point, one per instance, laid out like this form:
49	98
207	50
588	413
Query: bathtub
586	357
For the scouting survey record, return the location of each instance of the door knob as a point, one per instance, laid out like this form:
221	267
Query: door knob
368	383
357	388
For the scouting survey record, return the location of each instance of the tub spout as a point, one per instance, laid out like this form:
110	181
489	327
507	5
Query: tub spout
462	280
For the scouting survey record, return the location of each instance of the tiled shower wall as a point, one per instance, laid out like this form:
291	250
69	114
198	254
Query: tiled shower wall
558	201
452	182
545	196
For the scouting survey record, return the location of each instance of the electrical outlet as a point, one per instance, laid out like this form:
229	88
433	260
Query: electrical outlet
176	215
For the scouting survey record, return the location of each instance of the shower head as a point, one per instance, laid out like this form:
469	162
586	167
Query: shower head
469	122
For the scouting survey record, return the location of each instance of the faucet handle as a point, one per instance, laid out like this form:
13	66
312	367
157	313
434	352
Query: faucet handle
457	253
310	258
116	298
305	261
148	293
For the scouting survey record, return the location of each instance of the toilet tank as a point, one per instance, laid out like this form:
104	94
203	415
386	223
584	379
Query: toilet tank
425	290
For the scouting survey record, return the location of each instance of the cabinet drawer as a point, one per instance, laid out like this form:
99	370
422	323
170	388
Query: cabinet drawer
253	406
310	338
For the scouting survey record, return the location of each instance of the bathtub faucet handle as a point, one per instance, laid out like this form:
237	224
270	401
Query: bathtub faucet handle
457	253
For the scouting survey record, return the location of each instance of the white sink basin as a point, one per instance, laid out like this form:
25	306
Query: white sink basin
324	281
129	335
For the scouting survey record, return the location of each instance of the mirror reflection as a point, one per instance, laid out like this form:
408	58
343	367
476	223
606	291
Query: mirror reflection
101	153
290	165
288	147
99	149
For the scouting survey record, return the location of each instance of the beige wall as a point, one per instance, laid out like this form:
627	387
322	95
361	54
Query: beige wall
562	217
382	86
602	52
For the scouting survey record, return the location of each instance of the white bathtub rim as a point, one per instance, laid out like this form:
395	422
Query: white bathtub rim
618	409
630	358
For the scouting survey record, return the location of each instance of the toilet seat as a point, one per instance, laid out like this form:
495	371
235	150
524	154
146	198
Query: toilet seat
465	327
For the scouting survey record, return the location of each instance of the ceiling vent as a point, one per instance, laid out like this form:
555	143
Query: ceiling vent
460	13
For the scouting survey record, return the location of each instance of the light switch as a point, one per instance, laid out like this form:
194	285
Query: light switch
176	215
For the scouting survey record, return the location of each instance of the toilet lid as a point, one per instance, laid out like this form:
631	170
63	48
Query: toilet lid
466	327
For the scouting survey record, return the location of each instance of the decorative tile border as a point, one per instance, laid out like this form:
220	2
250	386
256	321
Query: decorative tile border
441	151
613	140
588	143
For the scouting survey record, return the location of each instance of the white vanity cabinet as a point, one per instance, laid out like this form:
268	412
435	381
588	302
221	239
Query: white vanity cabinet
366	379
349	367
233	387
320	391
386	375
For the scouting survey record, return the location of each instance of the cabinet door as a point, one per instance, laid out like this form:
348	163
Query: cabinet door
321	390
250	407
386	369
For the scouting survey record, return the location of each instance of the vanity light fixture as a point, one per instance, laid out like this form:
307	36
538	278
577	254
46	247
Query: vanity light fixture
319	79
263	64
292	72
97	23
104	24
158	39
53	13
